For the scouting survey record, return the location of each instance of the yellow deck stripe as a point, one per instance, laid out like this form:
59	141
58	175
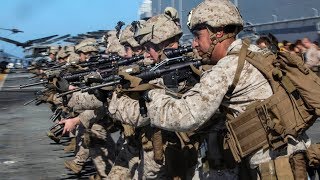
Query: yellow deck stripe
2	79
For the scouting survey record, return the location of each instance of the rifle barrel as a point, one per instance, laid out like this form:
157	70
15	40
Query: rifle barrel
32	84
101	86
68	92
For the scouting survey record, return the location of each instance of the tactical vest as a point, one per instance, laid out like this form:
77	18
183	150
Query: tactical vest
290	111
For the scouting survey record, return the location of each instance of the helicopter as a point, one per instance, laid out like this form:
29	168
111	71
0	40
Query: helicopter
14	30
29	42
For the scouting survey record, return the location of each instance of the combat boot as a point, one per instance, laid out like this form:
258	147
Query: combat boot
70	164
71	147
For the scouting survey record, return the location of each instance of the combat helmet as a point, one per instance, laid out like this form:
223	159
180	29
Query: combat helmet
62	54
54	49
115	47
69	48
73	58
214	14
87	45
160	28
127	35
110	36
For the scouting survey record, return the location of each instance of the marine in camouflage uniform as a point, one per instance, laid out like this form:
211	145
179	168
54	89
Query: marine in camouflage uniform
128	156
62	56
87	48
53	50
83	51
215	24
164	34
97	137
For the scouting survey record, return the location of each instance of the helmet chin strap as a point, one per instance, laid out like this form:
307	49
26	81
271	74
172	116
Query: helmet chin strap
206	56
162	56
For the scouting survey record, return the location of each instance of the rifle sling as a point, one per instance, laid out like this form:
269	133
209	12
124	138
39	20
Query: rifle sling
241	61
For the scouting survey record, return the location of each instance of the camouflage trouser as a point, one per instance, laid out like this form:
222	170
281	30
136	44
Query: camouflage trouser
126	162
148	168
101	149
81	156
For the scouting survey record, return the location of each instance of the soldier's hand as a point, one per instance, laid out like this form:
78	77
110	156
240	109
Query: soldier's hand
69	124
72	87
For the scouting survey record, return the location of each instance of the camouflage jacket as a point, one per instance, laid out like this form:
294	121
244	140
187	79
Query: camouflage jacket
86	118
90	108
84	101
89	117
201	102
127	110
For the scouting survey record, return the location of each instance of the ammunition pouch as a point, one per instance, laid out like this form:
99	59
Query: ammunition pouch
267	170
279	168
299	165
290	111
283	168
267	124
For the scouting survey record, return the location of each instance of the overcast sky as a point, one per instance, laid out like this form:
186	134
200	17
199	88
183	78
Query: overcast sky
39	18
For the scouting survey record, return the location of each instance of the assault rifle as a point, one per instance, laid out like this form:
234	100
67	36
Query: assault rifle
104	70
172	74
110	81
171	64
33	84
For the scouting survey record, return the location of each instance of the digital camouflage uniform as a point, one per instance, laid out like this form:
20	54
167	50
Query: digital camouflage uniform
101	147
127	159
198	105
127	110
101	150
